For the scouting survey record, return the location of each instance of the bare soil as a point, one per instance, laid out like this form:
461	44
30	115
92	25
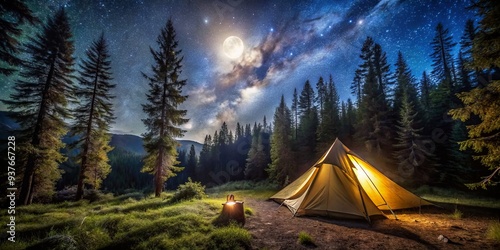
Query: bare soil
274	227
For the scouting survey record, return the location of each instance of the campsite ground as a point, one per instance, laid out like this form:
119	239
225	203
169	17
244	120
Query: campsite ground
273	227
140	221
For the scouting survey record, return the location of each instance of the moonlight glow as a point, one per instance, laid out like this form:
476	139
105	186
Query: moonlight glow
233	47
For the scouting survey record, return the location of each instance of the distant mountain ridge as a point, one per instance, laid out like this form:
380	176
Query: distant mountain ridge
131	143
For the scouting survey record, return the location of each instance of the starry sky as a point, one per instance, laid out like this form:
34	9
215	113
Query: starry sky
286	43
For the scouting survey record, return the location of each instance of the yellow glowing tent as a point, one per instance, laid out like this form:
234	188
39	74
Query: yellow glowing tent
342	184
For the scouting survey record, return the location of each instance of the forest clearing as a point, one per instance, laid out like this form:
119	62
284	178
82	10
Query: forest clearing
139	221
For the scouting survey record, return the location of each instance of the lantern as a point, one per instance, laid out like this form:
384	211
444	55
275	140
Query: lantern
232	210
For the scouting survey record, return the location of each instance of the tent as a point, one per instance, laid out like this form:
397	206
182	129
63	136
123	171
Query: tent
342	184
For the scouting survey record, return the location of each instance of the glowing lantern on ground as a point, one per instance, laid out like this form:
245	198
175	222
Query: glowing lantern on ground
232	210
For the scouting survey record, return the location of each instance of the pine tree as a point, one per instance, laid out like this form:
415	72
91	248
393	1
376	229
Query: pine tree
39	105
348	122
257	160
205	161
484	101
381	68
468	75
425	90
461	162
487	36
295	113
404	82
329	125
442	60
93	116
224	135
322	94
442	97
334	104
308	119
357	85
163	114
374	126
410	152
15	13
192	162
239	132
281	166
306	99
464	74
248	131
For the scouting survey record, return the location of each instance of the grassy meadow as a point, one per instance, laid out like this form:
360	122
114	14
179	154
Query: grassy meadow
137	221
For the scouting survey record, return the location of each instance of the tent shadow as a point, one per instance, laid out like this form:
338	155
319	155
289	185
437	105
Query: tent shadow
377	225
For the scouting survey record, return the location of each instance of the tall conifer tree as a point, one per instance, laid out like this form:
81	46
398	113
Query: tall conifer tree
281	166
162	109
40	106
442	60
93	116
308	118
425	90
295	113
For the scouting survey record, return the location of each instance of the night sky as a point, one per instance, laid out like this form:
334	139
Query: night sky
286	43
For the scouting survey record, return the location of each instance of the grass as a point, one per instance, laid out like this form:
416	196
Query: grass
249	211
241	189
137	221
457	197
457	214
494	231
305	239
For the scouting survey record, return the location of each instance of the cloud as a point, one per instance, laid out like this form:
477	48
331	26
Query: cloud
202	95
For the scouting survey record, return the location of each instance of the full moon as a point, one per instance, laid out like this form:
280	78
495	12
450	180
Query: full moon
233	47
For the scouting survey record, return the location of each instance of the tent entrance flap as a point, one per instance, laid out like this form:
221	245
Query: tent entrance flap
341	183
361	174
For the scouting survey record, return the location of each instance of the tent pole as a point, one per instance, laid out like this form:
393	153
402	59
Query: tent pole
367	216
420	206
387	204
363	201
281	205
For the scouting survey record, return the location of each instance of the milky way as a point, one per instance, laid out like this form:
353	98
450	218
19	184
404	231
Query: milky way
286	43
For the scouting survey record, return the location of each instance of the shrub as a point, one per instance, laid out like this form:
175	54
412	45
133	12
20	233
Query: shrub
188	191
457	214
305	239
494	231
248	211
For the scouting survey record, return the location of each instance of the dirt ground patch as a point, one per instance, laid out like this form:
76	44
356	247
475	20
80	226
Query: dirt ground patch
273	227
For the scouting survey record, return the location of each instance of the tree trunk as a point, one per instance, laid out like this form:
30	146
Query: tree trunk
158	173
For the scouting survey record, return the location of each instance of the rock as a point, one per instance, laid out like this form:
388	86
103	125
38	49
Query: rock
443	238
